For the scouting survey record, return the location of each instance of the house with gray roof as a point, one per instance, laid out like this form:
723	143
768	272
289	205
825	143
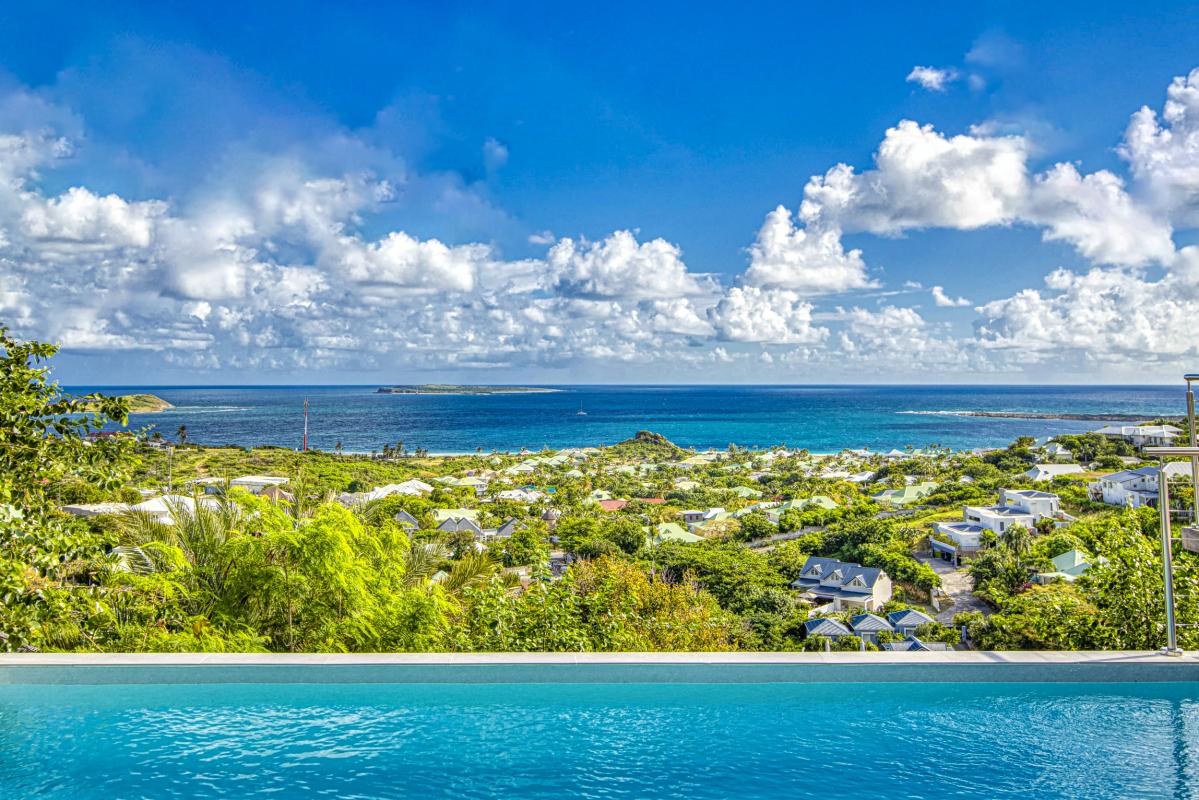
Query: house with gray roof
459	524
823	626
1135	487
913	645
406	520
869	626
907	621
842	584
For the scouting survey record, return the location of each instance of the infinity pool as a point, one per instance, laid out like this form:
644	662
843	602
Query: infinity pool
693	741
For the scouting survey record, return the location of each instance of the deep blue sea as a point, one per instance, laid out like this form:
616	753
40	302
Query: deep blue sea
849	741
820	418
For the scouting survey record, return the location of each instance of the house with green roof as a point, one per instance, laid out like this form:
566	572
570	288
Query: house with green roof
1069	566
800	504
670	532
442	514
711	522
906	495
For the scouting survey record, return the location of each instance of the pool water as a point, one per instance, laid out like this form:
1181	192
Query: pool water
692	741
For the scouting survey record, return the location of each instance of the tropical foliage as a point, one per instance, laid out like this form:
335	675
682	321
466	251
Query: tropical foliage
315	569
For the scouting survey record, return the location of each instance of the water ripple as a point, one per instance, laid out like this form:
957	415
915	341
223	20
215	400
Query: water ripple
603	741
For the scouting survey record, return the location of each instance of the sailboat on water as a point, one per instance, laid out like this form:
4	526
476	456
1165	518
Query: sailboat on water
580	412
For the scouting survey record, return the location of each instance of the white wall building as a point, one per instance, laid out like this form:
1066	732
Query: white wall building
1039	504
256	483
1047	472
1143	435
1025	507
1135	487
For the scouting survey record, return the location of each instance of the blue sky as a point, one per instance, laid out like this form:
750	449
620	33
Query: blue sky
375	192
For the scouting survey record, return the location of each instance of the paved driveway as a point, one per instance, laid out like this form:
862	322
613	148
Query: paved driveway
957	583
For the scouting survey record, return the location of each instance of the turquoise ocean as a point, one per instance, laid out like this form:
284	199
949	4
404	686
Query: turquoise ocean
820	418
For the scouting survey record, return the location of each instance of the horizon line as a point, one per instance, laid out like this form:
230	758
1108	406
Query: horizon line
533	385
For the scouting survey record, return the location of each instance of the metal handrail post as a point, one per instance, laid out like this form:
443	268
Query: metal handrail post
1163	502
1190	378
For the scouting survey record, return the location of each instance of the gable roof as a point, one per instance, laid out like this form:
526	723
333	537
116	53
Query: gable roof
672	532
823	626
912	644
907	494
1129	475
442	514
404	518
457	524
799	504
869	623
1041	472
830	577
908	618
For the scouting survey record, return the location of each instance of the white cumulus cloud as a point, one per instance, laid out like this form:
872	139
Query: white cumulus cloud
778	316
924	179
808	260
621	267
935	79
943	300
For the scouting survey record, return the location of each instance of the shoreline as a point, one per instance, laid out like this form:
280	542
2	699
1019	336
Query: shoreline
1040	415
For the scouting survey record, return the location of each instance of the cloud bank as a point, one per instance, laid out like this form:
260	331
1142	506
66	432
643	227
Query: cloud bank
284	259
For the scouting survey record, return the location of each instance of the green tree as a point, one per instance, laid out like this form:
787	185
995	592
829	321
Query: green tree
526	546
624	532
756	526
49	595
1017	539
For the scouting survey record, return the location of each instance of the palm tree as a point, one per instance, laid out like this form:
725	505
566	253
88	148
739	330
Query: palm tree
182	434
201	531
473	569
1018	540
337	448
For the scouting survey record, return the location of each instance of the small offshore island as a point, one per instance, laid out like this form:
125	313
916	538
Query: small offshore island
445	388
145	403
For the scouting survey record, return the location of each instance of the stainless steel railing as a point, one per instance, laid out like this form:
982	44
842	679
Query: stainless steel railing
1190	535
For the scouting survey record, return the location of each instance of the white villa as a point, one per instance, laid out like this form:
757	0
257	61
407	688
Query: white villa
1024	507
1057	451
163	509
1142	435
256	483
521	495
1134	487
1039	504
1047	472
409	488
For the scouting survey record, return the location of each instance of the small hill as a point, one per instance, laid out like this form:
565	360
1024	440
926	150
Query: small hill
649	446
146	403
